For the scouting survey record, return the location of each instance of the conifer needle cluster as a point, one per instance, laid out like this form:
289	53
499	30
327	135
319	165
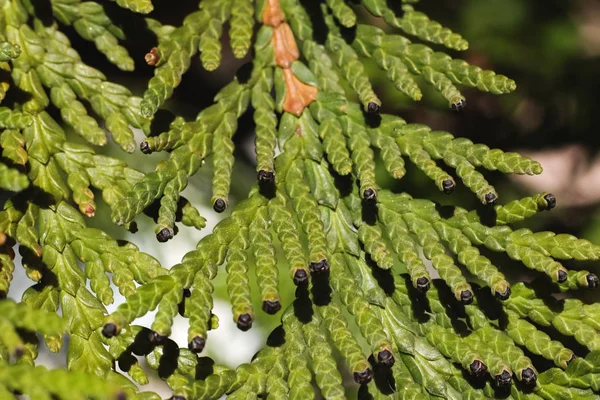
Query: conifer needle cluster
395	292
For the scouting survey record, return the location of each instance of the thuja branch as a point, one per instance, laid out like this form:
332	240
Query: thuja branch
435	315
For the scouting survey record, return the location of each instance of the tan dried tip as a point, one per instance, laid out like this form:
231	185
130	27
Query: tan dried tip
284	46
2	238
272	15
298	94
152	58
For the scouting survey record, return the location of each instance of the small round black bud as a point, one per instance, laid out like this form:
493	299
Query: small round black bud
156	338
529	377
459	105
220	205
562	276
265	176
364	377
370	195
466	297
164	235
145	148
505	295
271	307
109	330
448	186
300	277
423	284
244	322
504	379
373	108
490	199
551	200
197	345
319	267
478	368
571	359
187	292
592	280
178	397
386	358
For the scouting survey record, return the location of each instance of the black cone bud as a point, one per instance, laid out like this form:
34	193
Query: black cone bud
422	284
164	235
373	108
145	148
266	176
592	280
478	368
448	186
562	276
220	205
466	297
319	267
109	330
505	295
370	195
529	377
385	358
197	345
490	199
504	379
363	377
300	277
271	307
459	105
551	200
244	322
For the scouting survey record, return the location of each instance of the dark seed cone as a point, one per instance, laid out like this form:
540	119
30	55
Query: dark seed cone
220	205
466	297
271	307
504	379
423	284
448	186
386	358
164	235
478	368
121	396
562	276
319	267
300	277
491	199
145	148
370	195
592	280
373	108
505	295
529	377
178	397
551	200
244	322
459	105
363	377
266	176
197	345
109	330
